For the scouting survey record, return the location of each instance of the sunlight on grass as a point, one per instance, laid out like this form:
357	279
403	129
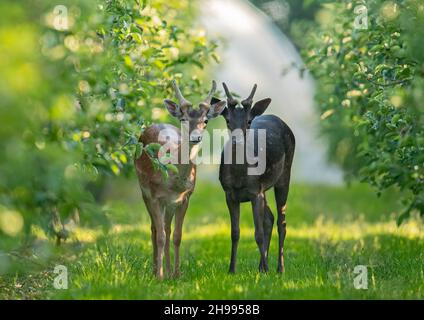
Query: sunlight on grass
321	230
121	228
87	235
327	236
78	234
356	230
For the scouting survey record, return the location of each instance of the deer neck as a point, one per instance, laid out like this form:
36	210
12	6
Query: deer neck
188	154
238	169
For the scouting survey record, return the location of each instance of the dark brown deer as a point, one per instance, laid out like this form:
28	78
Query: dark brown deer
166	198
240	186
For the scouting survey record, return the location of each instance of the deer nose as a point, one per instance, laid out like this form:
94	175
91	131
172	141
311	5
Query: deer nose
237	139
237	136
195	138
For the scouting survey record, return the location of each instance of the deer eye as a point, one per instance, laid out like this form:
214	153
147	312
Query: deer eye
206	121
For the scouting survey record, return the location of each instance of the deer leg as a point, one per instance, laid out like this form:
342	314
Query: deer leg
168	221
281	199
258	205
179	219
150	210
157	216
234	208
160	241
155	248
281	190
268	224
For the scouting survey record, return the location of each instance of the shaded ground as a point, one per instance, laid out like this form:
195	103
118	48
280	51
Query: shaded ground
330	231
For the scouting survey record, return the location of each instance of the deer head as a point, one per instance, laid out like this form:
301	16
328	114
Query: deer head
196	118
240	115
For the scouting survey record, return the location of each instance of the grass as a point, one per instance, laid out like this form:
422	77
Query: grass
330	231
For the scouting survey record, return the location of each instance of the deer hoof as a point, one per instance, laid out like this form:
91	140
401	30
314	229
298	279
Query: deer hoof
159	274
176	274
280	269
263	268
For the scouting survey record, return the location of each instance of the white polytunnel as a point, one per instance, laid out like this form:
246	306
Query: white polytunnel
254	50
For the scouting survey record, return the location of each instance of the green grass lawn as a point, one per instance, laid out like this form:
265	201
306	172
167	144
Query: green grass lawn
330	230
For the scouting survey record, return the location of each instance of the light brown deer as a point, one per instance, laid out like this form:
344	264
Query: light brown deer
166	198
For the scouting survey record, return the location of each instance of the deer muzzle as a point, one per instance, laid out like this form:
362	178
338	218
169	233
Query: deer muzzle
195	138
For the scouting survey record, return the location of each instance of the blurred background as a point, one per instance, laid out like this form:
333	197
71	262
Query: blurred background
256	50
79	80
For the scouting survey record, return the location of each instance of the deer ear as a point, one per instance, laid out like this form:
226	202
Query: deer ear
260	107
224	112
216	108
173	108
214	100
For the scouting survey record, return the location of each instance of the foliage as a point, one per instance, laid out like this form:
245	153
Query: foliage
370	84
74	99
143	48
370	91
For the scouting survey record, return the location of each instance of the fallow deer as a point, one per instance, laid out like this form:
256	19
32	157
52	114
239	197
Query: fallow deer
166	198
239	186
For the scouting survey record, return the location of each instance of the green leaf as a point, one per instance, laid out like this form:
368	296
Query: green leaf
171	167
138	150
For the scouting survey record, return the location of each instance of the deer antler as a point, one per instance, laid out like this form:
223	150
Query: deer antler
252	93
206	104
230	99
211	93
183	102
249	100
